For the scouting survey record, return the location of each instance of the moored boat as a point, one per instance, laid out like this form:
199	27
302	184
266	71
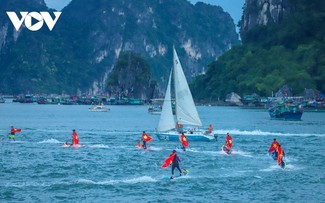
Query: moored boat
286	111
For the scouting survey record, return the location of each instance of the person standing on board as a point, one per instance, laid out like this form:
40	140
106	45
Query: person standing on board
75	138
184	141
12	132
175	164
145	138
280	155
273	148
228	142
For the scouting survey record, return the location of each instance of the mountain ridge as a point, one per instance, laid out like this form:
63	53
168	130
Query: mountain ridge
85	44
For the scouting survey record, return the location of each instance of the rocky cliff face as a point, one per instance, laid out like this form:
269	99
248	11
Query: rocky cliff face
131	78
81	51
263	12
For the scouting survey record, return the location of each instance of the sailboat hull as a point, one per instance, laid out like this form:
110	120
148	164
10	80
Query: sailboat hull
195	136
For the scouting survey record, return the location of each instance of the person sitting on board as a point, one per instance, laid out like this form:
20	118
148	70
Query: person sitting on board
273	148
175	164
145	138
75	138
184	141
280	154
179	127
228	143
12	132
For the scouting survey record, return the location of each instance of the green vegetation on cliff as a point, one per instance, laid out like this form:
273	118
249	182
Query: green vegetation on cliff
291	52
131	77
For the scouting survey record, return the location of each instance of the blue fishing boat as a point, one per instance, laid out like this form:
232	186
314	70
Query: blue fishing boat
286	111
187	117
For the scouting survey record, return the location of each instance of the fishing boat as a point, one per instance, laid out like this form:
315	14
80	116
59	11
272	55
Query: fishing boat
186	112
286	111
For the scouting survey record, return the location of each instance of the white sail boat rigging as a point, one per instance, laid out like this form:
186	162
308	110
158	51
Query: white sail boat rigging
186	113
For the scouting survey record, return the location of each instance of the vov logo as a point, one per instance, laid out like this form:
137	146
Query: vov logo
40	17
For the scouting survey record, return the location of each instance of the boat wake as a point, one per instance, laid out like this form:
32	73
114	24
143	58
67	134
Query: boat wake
264	133
241	153
142	179
275	167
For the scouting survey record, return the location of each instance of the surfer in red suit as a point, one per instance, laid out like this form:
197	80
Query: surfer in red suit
280	154
145	138
184	141
273	148
13	131
75	138
228	142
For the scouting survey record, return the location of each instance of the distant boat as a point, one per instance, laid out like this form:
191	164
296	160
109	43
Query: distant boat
2	100
98	108
155	107
286	111
186	113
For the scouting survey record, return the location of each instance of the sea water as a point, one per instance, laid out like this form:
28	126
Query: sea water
110	168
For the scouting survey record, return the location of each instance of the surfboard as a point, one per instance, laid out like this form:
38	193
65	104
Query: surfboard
184	173
225	150
74	146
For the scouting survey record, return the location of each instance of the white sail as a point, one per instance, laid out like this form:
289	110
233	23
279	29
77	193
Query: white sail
166	121
186	112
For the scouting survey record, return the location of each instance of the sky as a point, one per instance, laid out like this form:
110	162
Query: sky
233	7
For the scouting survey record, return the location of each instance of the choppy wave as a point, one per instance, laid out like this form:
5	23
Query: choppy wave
100	146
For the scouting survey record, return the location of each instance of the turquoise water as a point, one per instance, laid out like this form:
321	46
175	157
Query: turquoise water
109	168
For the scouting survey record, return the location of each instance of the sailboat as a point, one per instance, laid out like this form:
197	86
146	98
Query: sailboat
186	113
